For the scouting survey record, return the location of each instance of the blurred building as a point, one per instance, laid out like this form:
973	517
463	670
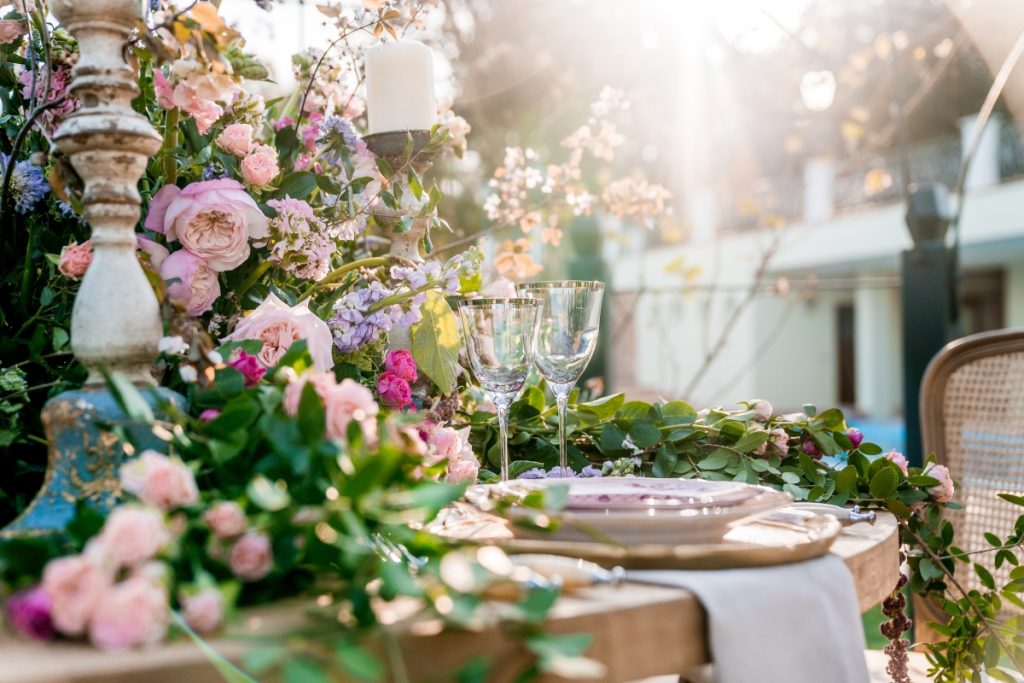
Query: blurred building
824	323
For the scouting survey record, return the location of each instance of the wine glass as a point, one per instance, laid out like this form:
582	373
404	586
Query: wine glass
499	341
570	319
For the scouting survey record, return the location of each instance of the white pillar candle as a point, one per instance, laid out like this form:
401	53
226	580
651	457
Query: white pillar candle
400	87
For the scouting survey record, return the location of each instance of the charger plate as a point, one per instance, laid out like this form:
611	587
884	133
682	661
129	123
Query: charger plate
778	538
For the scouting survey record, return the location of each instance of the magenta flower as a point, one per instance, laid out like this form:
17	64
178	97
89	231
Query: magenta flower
209	415
250	366
400	363
394	391
28	611
855	436
811	448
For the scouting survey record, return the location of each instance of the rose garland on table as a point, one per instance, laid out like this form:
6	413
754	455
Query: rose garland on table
812	455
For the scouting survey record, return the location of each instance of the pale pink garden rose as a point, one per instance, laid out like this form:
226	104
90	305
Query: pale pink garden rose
75	259
132	613
463	471
214	219
10	30
236	139
251	557
279	326
762	410
899	459
944	490
259	167
161	481
76	584
778	441
204	611
322	382
157	252
226	520
191	281
452	447
134	534
342	402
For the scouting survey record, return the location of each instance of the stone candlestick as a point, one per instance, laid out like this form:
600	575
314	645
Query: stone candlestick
115	324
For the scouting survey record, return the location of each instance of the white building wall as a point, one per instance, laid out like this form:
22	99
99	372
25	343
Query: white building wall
879	351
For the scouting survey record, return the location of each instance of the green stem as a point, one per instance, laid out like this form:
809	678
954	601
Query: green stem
26	270
402	296
255	275
340	272
170	145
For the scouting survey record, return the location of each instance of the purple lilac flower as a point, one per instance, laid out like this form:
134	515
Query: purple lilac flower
28	185
533	473
342	127
591	471
353	325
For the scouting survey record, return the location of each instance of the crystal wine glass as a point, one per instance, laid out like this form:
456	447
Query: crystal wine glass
499	341
570	319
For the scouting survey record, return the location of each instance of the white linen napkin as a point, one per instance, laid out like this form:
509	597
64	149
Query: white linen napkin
794	623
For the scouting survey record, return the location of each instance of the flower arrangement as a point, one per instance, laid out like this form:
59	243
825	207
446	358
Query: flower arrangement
308	435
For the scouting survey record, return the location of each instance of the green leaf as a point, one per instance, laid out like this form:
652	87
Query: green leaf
230	672
928	570
298	185
884	484
435	342
678	412
718	459
985	577
633	410
847	479
603	408
128	397
751	441
922	481
610	441
304	671
1011	498
644	434
832	418
869	448
60	338
312	419
358	662
665	461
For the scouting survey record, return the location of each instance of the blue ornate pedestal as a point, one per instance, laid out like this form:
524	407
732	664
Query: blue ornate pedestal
84	457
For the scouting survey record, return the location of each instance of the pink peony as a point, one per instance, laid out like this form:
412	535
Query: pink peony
157	252
76	585
259	167
11	30
204	611
400	362
75	259
251	557
899	459
236	139
28	611
226	520
133	534
214	219
161	481
943	491
279	326
763	410
394	391
250	367
855	436
191	281
209	415
132	613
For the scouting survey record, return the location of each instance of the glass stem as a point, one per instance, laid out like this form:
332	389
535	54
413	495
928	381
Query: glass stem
562	399
502	404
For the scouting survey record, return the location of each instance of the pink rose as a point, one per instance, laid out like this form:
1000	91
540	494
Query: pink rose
236	139
762	410
76	585
349	401
226	520
204	611
10	30
251	558
811	448
394	391
763	448
133	534
75	259
260	166
191	281
448	443
855	436
28	611
899	459
279	326
400	362
322	382
214	219
778	440
463	471
943	491
161	481
164	91
250	367
132	613
157	252
204	111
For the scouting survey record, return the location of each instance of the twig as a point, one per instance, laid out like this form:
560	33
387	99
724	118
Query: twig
316	69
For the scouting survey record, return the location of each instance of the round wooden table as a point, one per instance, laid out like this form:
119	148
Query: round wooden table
631	625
